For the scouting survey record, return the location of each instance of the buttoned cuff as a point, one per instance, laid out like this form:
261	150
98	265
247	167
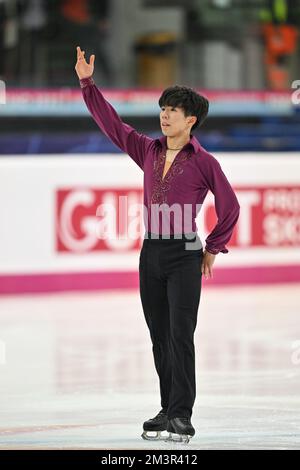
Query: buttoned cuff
84	82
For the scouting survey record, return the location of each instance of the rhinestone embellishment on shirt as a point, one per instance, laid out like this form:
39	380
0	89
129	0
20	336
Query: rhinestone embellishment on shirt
162	185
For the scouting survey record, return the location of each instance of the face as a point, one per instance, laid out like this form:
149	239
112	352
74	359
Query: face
173	121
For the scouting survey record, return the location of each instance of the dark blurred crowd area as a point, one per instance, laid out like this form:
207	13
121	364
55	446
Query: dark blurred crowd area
38	40
223	44
219	44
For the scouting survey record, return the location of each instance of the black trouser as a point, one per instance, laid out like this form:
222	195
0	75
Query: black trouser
170	288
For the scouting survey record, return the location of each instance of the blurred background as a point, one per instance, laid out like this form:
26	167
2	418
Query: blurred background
76	366
219	46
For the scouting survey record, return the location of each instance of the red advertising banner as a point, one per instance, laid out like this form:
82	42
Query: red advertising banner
269	217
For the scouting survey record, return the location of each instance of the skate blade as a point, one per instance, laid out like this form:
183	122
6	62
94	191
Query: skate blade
180	438
150	437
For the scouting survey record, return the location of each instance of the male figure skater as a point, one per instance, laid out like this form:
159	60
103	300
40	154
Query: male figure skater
178	172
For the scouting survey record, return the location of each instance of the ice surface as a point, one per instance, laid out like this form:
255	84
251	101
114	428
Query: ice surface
76	371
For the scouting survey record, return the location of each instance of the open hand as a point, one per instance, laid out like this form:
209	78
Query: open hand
207	263
83	69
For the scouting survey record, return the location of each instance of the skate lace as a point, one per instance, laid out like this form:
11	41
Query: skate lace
159	415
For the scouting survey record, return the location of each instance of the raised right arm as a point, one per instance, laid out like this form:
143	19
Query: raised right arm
136	145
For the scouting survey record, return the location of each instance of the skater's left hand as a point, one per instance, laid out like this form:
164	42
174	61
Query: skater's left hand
207	263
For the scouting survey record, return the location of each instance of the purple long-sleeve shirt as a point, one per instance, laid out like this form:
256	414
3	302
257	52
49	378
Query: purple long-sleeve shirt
192	174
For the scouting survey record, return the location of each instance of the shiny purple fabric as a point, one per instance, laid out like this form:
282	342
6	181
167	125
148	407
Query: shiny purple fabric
192	174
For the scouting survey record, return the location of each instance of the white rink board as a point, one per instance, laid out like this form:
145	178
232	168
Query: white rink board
27	210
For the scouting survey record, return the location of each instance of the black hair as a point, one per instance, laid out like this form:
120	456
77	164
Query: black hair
188	99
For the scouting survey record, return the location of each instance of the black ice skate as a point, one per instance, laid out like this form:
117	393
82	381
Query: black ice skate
156	425
180	430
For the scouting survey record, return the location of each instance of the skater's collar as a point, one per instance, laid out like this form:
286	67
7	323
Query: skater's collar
193	142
